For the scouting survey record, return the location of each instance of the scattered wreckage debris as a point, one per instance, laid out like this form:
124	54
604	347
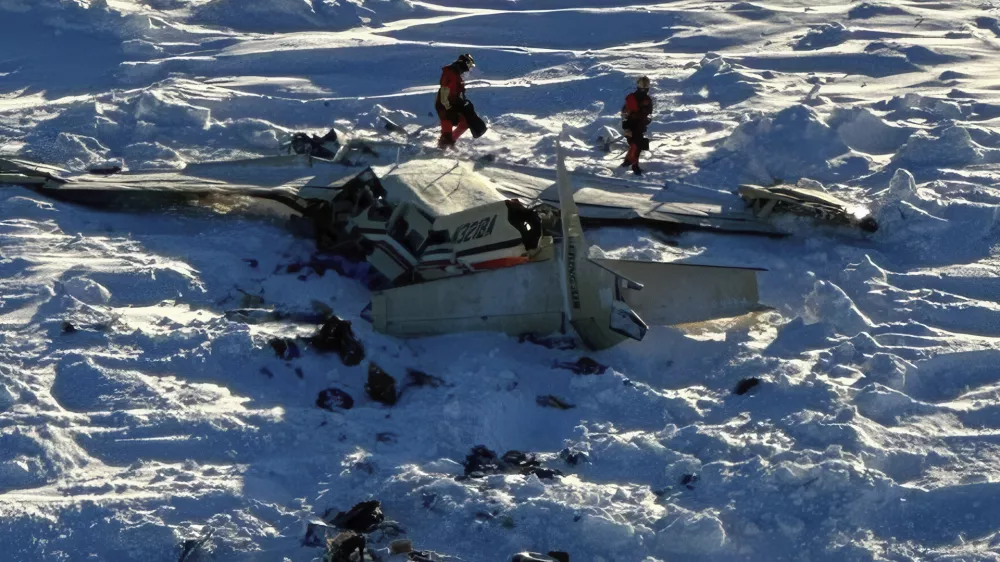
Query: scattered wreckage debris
689	480
333	398
583	366
451	252
381	387
805	201
481	462
337	336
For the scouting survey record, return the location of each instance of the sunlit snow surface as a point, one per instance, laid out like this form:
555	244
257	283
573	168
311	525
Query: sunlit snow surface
875	434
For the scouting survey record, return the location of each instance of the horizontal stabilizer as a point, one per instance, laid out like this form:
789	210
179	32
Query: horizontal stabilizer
677	293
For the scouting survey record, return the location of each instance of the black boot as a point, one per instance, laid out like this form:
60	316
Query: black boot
626	163
636	170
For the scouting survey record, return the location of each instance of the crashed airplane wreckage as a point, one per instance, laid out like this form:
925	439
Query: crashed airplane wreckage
457	253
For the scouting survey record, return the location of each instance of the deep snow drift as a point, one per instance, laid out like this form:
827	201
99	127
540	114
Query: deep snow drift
137	410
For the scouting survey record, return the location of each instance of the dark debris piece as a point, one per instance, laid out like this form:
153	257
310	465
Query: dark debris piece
584	366
573	457
332	398
381	387
285	348
336	335
364	517
420	378
386	437
481	462
745	385
555	342
267	372
689	480
253	263
341	547
550	401
559	555
68	327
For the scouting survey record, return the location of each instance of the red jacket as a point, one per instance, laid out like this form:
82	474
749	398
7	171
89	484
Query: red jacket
452	79
637	111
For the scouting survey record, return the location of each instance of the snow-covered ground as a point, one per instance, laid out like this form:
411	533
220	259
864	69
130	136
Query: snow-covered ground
875	431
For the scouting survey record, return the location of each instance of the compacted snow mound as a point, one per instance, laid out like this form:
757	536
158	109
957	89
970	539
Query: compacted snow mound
952	146
822	36
717	80
864	131
788	145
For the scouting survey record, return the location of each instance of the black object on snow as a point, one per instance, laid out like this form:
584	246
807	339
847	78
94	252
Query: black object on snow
689	480
340	548
68	328
105	170
420	378
336	335
584	366
550	342
253	262
745	385
559	555
304	143
362	518
285	348
551	401
332	398
386	437
381	387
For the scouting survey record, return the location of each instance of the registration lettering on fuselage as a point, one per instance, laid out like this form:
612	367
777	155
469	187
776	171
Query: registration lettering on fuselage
474	230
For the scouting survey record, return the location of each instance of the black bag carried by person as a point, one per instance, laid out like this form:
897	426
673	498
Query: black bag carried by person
476	125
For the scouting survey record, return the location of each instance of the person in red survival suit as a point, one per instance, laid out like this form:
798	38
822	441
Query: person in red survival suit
451	98
636	116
